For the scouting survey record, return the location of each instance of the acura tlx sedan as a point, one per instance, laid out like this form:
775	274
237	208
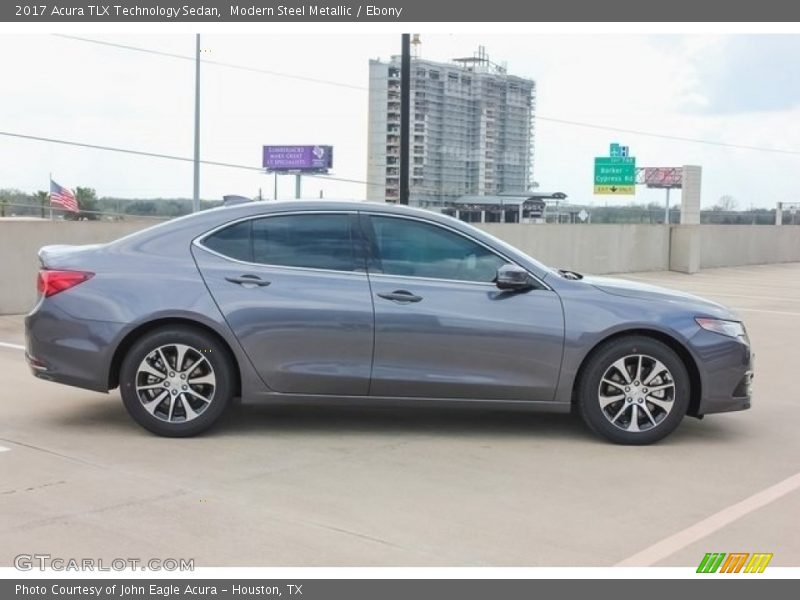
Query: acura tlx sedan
352	302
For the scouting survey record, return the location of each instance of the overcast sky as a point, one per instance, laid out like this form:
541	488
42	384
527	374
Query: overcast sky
736	89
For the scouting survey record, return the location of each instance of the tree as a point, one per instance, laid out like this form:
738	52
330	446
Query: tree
87	203
725	203
43	199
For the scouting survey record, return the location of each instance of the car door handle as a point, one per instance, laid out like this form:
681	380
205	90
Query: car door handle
401	296
248	280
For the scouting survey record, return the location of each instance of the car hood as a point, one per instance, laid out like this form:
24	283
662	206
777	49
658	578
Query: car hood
645	291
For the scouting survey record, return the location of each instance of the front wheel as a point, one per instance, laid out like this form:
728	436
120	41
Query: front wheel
177	381
634	390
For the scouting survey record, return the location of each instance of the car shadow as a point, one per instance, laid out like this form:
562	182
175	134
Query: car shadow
398	420
260	419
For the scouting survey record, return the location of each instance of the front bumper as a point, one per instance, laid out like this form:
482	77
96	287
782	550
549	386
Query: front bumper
727	370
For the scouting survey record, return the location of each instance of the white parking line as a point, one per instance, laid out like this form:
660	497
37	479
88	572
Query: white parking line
674	543
12	346
768	312
4	449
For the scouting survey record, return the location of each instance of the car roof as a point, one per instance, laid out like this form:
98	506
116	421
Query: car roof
256	207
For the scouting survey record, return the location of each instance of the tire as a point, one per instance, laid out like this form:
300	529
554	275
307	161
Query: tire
641	405
188	400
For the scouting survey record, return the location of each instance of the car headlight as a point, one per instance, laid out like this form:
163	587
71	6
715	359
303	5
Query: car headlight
734	329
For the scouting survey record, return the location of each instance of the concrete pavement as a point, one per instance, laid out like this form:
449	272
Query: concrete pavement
302	486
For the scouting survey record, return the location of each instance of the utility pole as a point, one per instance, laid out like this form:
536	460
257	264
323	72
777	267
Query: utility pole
196	193
405	113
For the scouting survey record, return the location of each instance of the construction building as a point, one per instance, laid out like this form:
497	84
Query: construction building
471	130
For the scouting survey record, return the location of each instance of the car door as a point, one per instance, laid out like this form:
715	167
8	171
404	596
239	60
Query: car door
444	330
294	290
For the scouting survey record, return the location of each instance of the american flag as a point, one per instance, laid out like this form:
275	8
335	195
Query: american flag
63	197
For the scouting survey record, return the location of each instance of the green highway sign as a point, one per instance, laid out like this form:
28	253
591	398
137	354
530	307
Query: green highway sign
614	175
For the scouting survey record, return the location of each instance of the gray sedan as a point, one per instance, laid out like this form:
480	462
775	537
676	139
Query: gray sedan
350	302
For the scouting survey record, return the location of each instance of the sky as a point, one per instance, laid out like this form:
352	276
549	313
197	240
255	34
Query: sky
731	89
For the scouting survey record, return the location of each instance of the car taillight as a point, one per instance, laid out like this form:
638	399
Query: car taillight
53	282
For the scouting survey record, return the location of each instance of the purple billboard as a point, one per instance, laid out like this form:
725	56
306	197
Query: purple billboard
298	158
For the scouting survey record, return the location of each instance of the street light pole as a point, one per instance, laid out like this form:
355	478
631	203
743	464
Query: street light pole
405	114
196	192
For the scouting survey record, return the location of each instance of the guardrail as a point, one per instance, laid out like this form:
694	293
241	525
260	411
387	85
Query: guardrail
599	249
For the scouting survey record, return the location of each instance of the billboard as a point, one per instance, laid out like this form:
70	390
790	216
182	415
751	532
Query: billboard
298	158
663	177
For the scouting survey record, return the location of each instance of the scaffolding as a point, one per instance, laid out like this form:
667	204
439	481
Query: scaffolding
471	130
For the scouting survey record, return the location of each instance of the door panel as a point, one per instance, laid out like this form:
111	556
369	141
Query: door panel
444	330
305	330
465	340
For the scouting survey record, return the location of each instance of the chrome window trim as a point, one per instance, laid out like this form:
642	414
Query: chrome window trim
198	241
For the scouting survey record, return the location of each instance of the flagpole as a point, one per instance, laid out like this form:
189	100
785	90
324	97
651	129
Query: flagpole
50	194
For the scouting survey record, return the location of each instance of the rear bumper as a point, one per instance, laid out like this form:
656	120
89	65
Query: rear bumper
63	349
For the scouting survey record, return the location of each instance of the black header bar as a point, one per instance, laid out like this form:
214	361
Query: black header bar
220	11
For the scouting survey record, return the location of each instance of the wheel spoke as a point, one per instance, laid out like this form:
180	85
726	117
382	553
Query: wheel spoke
196	364
190	412
665	405
191	392
623	370
639	369
150	386
619	413
658	369
613	383
207	379
172	402
634	423
649	415
164	360
148	368
180	355
155	402
606	400
659	388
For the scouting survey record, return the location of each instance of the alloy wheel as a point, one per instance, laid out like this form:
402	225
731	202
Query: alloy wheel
175	383
636	393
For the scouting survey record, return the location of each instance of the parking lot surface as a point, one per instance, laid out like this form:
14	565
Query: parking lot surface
310	486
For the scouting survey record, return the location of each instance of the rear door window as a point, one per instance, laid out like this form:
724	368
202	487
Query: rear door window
313	241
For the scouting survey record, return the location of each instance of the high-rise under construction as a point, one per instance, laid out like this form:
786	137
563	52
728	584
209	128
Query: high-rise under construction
471	130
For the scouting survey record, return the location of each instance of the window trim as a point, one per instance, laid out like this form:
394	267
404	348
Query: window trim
371	242
198	241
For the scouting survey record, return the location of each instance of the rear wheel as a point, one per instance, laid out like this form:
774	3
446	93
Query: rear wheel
177	381
634	390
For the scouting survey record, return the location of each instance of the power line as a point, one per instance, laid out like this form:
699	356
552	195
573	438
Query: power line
667	136
212	62
168	156
652	134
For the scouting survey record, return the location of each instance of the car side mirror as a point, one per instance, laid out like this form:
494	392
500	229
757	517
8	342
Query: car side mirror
513	277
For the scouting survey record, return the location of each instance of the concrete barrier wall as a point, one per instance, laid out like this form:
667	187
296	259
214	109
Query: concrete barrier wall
21	240
590	248
733	245
586	248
